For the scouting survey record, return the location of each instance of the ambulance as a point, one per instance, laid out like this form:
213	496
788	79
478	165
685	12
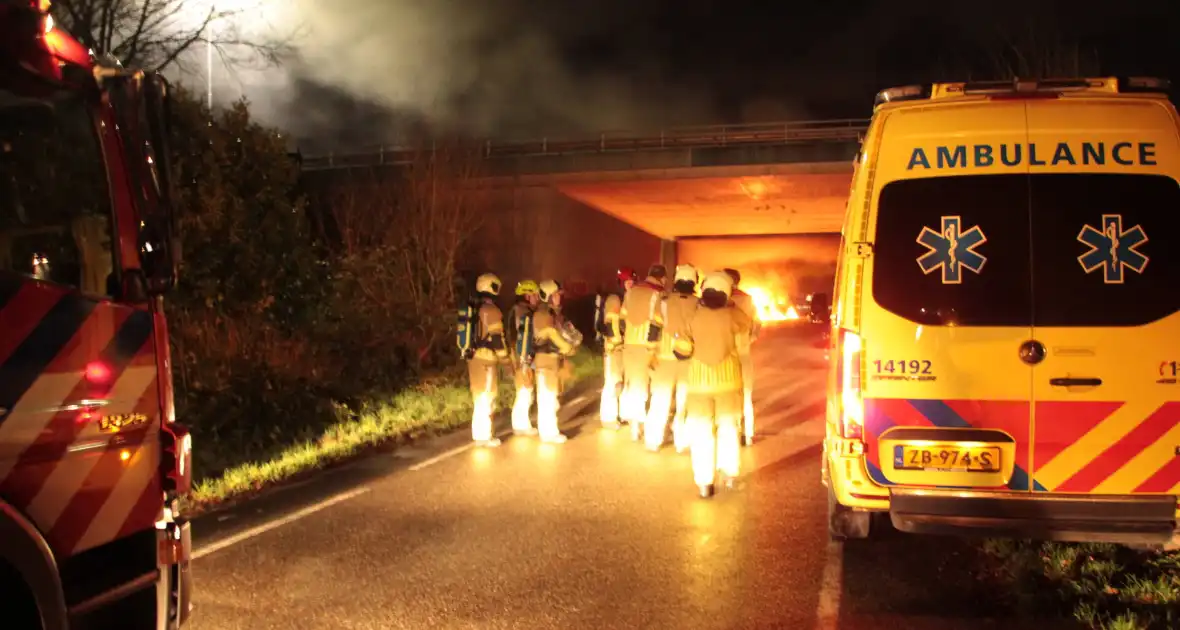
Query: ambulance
1005	336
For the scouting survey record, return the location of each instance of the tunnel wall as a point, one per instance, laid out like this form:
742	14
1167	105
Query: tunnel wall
537	232
799	264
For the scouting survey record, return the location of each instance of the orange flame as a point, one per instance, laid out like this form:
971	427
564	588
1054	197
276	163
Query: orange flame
770	307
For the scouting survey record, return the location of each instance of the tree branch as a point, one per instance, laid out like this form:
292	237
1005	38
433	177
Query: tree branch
133	46
195	37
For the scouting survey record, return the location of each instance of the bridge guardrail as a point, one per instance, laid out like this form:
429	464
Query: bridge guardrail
843	130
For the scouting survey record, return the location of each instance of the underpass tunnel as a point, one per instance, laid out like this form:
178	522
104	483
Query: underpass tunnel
779	225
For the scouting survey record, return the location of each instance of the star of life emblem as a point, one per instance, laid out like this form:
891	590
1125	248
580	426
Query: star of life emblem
1113	249
951	250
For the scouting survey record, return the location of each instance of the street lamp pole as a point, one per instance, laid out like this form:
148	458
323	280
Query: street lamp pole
209	71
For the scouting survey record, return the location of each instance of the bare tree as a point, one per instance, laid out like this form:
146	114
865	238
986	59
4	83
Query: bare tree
1051	55
400	233
157	33
1028	40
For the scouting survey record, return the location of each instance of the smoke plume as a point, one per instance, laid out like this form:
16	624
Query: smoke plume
504	68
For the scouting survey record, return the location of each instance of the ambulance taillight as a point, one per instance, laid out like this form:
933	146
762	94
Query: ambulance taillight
848	377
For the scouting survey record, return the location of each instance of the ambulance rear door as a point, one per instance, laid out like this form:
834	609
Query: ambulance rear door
1106	277
947	300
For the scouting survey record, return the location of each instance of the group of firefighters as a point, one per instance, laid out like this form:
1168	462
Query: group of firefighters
679	352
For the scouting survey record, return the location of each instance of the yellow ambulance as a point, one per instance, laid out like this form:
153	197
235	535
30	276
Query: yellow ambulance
1005	335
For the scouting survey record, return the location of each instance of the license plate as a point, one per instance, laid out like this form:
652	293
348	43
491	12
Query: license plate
947	457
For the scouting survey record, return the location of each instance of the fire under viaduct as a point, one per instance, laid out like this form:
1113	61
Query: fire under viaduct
757	197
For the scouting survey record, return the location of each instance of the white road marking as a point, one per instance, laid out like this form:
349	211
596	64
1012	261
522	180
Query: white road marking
329	502
827	614
451	453
268	526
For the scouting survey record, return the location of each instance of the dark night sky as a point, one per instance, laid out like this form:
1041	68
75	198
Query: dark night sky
528	67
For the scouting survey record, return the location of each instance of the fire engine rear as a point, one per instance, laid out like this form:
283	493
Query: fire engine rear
91	459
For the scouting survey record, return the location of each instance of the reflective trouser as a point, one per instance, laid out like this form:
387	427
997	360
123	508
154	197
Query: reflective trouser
485	381
612	385
667	382
714	419
637	378
524	380
748	396
548	374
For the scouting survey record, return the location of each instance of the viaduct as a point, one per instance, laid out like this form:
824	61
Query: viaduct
750	196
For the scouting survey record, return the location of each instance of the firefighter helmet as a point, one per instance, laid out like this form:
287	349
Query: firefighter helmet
734	275
527	287
488	283
718	281
627	274
548	288
686	273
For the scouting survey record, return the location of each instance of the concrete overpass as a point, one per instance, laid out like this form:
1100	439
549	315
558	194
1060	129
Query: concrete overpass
755	179
762	197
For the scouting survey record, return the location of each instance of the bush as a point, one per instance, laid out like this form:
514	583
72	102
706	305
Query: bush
1106	587
294	341
249	348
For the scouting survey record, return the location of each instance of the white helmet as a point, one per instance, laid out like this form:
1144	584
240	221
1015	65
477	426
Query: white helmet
718	281
549	288
488	283
686	273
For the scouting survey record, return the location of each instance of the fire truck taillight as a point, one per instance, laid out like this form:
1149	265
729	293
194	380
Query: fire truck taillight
850	350
176	459
98	373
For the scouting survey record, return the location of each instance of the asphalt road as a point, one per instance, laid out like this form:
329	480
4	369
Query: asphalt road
595	533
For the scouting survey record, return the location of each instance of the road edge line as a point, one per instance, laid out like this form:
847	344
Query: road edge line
827	612
229	541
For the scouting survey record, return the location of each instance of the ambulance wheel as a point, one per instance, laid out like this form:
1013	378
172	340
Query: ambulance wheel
844	523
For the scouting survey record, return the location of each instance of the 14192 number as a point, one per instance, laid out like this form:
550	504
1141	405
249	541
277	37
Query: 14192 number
912	366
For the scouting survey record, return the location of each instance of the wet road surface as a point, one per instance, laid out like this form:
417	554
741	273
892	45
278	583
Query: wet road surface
595	533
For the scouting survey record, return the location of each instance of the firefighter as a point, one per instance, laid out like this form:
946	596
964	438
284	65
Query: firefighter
714	383
523	374
611	329
638	352
483	368
552	346
745	303
668	321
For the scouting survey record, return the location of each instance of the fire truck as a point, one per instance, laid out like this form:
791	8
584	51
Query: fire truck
92	461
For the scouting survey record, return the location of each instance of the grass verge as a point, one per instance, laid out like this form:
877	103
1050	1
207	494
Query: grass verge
1106	587
436	404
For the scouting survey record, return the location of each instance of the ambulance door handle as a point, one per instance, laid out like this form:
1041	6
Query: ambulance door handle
1075	382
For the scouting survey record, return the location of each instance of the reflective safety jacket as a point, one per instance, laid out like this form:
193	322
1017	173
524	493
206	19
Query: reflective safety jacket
671	320
550	345
745	303
491	345
612	307
712	348
638	305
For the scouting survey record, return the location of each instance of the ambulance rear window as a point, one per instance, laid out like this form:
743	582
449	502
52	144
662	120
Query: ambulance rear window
954	250
1106	249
